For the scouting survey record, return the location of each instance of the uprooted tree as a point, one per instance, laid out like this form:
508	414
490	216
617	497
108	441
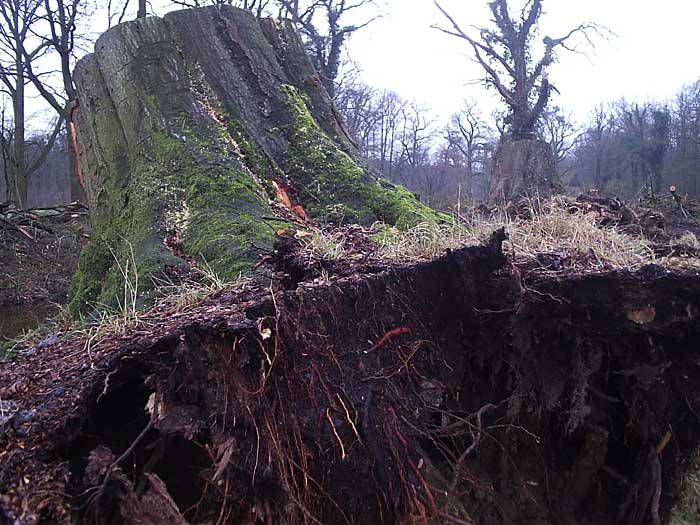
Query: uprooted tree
188	144
523	164
454	391
459	390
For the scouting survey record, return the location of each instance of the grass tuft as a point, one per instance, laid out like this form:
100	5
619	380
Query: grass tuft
109	321
323	243
550	227
687	507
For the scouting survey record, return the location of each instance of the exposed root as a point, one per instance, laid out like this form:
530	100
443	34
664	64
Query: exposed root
508	400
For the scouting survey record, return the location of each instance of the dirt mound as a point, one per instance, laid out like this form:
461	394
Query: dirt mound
450	391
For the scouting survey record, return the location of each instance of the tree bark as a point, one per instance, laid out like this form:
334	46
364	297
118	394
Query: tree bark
19	167
185	123
523	168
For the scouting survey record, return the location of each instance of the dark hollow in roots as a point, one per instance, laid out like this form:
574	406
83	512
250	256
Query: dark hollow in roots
453	391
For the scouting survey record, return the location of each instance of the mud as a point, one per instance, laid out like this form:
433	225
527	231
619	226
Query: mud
16	319
453	391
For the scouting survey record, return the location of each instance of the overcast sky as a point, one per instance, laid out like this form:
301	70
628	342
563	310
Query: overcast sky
652	55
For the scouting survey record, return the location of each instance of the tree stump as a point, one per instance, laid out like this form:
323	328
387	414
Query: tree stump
187	128
523	168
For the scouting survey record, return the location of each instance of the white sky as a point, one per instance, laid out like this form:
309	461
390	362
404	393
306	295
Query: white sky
652	56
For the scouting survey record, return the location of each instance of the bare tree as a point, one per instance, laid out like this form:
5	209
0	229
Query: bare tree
388	121
627	148
557	129
116	11
374	119
467	133
325	44
6	141
60	17
596	142
685	158
507	55
19	48
355	102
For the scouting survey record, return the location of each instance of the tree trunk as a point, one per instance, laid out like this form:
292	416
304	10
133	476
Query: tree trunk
19	164
523	168
185	122
141	13
77	192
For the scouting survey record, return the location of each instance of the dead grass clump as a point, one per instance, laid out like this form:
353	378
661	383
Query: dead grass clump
551	227
320	243
687	241
687	508
180	296
429	240
557	227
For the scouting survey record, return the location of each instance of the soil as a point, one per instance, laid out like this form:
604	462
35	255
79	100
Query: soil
460	390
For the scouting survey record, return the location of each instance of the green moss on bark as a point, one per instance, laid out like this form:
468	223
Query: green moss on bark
333	187
193	186
128	246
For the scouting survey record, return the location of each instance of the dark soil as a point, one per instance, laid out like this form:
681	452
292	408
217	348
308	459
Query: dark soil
451	391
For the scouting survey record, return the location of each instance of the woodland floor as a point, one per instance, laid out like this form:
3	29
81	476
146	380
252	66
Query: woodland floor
39	252
462	389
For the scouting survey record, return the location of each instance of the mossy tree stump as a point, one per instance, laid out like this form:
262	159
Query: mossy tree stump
184	124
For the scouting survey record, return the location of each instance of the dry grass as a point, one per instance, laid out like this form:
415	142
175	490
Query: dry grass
687	508
109	321
687	241
554	227
323	243
180	296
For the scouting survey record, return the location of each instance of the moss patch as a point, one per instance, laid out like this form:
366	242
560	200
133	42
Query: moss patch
126	248
222	225
333	188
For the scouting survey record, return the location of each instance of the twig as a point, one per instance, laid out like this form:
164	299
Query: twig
19	229
335	432
350	421
664	442
452	519
615	474
472	447
601	395
656	500
100	490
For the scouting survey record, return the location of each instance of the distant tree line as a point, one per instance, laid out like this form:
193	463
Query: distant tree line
624	149
405	142
630	148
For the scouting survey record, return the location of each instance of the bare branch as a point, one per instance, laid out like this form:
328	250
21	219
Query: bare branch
505	54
